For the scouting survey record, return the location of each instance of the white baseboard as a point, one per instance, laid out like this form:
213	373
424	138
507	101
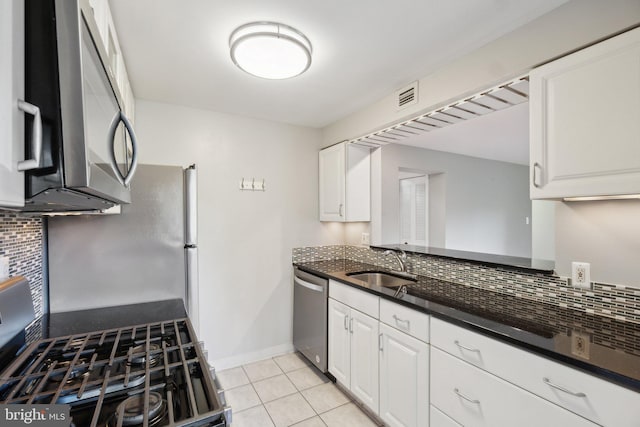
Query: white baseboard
243	359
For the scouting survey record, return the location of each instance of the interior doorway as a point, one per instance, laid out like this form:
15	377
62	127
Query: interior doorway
414	208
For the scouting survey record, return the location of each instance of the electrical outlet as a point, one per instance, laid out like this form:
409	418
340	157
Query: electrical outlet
365	239
580	344
581	275
4	267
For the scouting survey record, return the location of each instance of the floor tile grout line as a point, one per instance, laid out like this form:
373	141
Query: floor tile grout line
263	405
298	391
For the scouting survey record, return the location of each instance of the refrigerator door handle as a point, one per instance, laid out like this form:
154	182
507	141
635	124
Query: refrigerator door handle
191	206
191	286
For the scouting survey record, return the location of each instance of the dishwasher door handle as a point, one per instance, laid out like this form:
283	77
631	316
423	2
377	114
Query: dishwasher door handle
308	285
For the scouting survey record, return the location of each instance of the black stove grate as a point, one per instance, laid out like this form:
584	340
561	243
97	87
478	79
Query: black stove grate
96	372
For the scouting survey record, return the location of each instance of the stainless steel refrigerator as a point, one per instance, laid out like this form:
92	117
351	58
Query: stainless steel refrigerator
146	253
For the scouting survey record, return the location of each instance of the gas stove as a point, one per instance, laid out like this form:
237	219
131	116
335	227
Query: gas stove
148	375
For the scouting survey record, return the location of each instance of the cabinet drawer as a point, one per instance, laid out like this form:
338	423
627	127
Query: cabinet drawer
405	319
473	397
360	300
437	418
598	400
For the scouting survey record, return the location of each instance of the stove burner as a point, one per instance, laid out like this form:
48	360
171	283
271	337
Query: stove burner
76	376
132	410
141	359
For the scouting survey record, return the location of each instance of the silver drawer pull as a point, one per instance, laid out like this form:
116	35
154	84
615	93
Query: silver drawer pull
346	319
467	398
559	387
475	350
399	320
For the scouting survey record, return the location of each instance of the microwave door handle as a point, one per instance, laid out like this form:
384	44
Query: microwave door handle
120	117
36	137
134	149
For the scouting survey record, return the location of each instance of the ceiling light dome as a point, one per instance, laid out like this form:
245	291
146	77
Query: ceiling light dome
270	50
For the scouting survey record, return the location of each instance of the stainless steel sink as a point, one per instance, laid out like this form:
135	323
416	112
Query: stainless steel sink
381	279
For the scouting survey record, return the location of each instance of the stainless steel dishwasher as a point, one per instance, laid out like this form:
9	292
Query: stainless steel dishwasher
310	294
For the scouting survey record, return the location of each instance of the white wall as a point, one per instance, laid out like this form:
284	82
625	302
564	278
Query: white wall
245	238
485	201
603	233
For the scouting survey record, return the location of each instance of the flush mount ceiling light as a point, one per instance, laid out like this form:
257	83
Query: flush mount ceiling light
270	50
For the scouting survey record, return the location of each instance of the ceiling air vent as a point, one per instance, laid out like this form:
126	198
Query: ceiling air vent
407	96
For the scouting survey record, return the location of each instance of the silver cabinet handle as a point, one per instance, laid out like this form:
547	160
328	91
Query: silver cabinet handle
467	398
565	390
475	350
536	166
123	179
36	137
380	342
346	317
351	325
399	320
308	285
340	209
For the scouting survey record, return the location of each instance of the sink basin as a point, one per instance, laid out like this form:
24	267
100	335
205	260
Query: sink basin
381	279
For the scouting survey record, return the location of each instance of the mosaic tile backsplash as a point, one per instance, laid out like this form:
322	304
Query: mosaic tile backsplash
21	242
614	301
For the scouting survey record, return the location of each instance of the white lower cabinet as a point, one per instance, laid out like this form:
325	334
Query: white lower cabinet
339	341
473	397
404	379
364	359
414	370
353	352
595	399
440	419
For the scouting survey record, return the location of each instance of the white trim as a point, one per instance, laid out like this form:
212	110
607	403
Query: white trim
256	356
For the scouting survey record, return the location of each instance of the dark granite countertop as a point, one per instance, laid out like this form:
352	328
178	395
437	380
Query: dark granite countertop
538	327
96	319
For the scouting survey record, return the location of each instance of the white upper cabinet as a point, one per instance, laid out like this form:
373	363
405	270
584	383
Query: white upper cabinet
345	183
11	90
585	122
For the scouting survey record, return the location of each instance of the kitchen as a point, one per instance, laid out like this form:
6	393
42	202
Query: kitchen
246	237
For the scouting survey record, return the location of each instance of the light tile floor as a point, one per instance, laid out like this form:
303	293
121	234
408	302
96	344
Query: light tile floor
287	391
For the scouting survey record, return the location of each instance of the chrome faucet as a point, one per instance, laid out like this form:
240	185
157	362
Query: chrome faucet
402	258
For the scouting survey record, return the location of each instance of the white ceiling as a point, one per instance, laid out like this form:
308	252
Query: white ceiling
176	51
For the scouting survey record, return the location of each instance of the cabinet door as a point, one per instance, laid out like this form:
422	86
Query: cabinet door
364	359
11	89
584	118
332	183
339	342
404	379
